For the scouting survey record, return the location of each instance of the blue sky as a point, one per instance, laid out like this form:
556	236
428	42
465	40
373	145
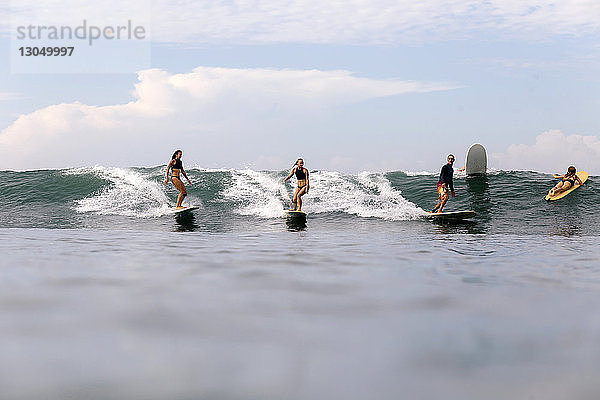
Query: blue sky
349	86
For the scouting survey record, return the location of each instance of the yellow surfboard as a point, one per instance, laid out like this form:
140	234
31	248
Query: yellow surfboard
581	174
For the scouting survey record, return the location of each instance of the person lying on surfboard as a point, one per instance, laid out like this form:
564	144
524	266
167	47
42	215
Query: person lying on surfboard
303	183
176	166
444	184
568	181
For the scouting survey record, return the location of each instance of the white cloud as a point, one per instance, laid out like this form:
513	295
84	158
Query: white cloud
332	22
553	151
226	116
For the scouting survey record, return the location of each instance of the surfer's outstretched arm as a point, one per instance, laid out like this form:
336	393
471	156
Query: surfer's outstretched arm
290	175
186	177
307	181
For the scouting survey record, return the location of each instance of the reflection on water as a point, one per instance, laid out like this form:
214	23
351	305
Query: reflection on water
296	223
458	226
566	224
186	222
210	221
566	216
478	189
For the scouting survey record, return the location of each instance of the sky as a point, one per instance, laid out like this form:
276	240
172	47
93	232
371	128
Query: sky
351	85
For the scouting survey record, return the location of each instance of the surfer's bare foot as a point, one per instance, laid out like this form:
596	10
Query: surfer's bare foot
179	208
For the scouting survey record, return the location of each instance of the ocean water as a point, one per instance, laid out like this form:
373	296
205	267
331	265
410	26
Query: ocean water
105	293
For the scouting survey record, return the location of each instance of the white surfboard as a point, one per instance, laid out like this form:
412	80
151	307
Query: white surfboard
184	209
476	161
452	215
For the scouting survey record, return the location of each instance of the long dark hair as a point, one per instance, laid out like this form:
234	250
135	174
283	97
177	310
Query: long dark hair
571	170
296	163
175	154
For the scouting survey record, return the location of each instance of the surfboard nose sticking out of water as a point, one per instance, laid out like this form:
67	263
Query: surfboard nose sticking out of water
476	160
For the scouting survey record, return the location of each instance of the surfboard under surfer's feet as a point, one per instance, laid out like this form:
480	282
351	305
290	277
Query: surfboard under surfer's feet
184	209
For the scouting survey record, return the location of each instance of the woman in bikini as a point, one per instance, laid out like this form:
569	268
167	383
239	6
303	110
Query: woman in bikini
303	183
568	181
176	166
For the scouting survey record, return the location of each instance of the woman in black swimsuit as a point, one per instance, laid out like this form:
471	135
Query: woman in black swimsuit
303	183
568	181
177	169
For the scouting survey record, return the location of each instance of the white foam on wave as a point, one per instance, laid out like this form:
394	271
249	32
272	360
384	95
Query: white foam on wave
129	194
367	195
459	174
260	194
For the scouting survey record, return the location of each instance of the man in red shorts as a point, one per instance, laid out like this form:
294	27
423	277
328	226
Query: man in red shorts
445	184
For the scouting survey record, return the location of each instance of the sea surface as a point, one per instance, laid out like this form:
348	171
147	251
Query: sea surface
106	293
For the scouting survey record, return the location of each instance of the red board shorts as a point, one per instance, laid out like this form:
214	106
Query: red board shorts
442	191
